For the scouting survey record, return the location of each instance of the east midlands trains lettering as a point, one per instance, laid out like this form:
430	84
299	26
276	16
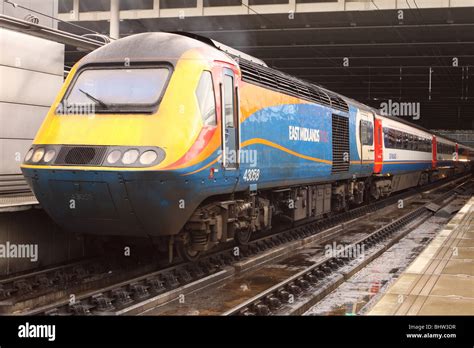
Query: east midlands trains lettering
304	134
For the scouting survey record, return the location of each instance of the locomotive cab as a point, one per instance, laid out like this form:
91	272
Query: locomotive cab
133	120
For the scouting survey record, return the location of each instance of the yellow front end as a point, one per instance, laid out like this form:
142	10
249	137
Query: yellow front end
127	200
174	126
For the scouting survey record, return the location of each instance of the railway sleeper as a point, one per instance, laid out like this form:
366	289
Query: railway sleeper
293	289
283	295
121	296
170	280
196	270
183	276
139	291
302	283
273	302
156	285
5	293
310	277
23	286
80	308
261	309
246	313
102	303
43	282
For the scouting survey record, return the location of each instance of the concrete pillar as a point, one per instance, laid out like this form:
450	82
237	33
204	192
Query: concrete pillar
75	10
156	7
200	6
114	19
245	4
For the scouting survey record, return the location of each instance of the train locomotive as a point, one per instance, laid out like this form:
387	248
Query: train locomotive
193	144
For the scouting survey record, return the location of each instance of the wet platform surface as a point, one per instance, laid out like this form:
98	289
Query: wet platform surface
441	279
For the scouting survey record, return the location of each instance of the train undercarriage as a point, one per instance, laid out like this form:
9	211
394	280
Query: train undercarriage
237	217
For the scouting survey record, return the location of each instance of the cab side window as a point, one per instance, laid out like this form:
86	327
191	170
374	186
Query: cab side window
206	99
229	101
366	132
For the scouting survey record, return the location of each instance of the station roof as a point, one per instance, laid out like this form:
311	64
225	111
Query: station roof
418	55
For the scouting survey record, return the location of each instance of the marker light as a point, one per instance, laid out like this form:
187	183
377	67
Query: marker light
29	155
38	155
148	157
114	156
130	156
49	155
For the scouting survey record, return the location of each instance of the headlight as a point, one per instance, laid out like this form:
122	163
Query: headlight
38	155
130	156
49	155
114	156
29	154
148	157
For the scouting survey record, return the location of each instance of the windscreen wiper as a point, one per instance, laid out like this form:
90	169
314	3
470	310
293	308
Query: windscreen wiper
98	101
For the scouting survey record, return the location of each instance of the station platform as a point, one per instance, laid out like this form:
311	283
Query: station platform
440	281
17	202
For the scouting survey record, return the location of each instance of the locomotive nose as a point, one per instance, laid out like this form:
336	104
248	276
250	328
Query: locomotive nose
116	203
84	201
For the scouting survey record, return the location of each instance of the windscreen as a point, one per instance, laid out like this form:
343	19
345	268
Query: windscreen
119	90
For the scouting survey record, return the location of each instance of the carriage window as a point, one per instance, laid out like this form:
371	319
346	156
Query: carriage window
393	136
386	138
399	137
206	99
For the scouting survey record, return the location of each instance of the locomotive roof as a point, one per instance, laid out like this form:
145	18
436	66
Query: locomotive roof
232	52
148	46
144	47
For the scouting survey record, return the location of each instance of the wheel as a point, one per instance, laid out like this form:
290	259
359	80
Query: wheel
374	191
242	237
187	253
185	249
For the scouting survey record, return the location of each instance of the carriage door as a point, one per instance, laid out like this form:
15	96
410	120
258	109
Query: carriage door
366	128
230	124
378	146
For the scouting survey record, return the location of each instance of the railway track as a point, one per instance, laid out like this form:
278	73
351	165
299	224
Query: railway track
138	294
168	282
39	287
326	275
